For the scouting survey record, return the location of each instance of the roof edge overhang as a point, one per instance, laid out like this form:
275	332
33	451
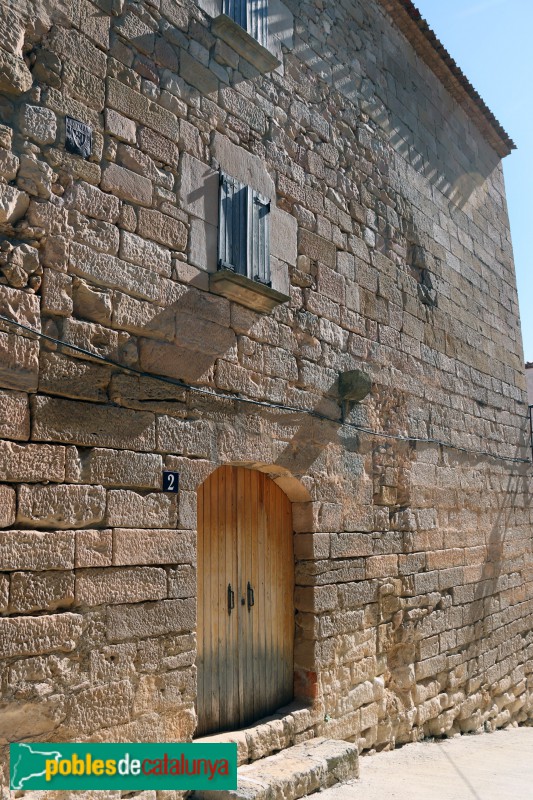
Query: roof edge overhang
416	30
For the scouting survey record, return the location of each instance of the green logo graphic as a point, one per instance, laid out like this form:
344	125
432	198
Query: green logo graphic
122	766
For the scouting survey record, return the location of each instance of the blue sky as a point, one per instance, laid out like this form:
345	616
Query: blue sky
491	42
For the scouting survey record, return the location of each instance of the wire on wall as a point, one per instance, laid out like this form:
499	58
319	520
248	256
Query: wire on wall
264	403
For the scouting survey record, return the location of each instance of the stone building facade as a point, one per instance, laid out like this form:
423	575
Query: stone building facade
124	353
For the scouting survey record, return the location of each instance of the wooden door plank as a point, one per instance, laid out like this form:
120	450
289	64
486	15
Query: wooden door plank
262	677
231	559
200	706
239	476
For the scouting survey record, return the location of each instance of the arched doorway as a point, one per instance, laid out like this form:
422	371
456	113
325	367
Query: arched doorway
245	599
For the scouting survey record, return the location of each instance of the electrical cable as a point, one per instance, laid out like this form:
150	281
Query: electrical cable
261	403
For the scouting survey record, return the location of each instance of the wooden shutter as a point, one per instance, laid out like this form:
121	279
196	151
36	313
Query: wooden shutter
233	224
237	10
259	238
252	15
258	20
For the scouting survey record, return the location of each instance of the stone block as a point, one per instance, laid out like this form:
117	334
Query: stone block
36	550
199	189
94	233
15	77
96	587
145	253
13	203
114	273
85	87
91	302
31	462
126	184
159	147
28	636
96	339
316	599
381	566
78	168
127	509
35	177
34	591
188	438
112	468
14	416
61	506
148	394
74	45
70	377
182	581
9	165
88	424
147	620
119	126
94	548
133	546
56	293
203	245
143	164
98	707
161	228
136	31
38	123
283	236
4	593
197	75
143	318
136	106
19	362
317	248
92	202
8	506
331	284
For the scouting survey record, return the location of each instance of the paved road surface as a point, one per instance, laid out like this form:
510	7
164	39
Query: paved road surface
490	766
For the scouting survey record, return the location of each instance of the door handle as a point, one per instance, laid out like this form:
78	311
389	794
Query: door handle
250	595
231	598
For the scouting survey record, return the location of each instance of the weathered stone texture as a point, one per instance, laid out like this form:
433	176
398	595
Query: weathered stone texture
132	546
90	424
31	462
31	591
61	506
26	636
126	509
14	416
389	236
36	550
150	619
102	587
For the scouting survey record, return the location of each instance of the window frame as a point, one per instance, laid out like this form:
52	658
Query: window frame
243	230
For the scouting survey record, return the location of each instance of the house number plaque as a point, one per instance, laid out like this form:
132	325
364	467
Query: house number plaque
171	481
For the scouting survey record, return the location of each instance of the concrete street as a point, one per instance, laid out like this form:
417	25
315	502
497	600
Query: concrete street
490	766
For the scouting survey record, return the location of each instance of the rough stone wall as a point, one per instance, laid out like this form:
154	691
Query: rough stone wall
389	230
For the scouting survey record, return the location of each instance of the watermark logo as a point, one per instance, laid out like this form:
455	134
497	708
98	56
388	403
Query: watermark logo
122	766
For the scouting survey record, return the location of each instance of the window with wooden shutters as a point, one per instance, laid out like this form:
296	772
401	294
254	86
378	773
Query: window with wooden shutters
244	231
252	15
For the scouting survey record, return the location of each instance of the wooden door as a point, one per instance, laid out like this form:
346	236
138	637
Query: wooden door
245	653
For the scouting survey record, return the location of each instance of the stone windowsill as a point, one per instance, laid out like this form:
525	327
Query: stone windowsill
245	291
244	44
